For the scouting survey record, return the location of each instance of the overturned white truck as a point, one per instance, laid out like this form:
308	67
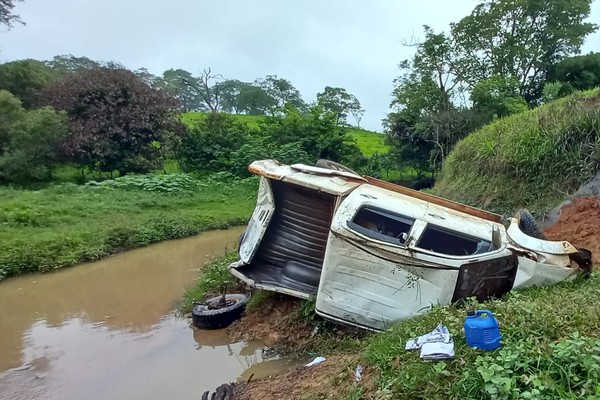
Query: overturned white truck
372	252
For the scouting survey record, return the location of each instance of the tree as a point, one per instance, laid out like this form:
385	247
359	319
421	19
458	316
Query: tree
425	122
407	148
6	16
520	39
117	122
229	96
281	91
25	79
173	81
254	100
211	143
498	96
577	73
149	78
11	111
208	87
339	102
316	132
69	64
29	140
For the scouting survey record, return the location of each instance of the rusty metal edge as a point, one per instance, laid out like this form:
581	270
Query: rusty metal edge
477	212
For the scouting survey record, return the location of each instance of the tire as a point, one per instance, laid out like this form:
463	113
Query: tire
322	163
203	317
528	225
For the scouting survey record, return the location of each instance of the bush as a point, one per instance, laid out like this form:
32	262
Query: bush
29	142
168	183
211	143
116	120
527	160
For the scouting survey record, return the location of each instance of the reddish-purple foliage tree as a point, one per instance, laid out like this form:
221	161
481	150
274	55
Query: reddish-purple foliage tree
116	121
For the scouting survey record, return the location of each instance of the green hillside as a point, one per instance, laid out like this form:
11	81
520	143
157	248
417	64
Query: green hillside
531	159
368	142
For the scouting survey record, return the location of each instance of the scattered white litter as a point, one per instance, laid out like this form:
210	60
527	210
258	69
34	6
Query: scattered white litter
316	361
438	351
358	373
436	345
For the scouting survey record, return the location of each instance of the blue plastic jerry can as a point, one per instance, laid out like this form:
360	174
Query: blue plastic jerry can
481	330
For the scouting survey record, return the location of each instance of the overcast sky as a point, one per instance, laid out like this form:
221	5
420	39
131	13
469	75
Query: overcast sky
352	44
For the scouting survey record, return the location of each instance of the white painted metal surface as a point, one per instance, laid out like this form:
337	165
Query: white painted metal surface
272	288
370	282
257	226
534	273
324	180
362	289
519	238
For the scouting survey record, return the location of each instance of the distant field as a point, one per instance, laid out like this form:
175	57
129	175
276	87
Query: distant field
368	142
252	121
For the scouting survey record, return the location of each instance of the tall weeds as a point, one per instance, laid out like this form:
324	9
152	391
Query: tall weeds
531	159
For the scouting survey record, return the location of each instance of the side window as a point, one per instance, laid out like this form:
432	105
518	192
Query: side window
445	241
381	225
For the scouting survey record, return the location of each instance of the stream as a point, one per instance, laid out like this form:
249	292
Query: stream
107	329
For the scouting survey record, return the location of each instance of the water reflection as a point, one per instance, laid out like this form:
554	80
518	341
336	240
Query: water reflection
106	329
129	292
80	360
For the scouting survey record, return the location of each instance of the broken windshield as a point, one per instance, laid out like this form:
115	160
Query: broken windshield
445	241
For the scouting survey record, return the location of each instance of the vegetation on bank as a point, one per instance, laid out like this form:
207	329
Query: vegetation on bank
531	159
215	277
368	142
62	225
548	351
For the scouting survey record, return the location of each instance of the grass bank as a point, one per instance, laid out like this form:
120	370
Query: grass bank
551	349
532	159
42	230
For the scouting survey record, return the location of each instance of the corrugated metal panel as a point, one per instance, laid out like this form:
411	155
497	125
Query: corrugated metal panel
299	227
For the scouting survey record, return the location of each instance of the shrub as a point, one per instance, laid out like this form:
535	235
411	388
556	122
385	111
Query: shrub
168	183
529	159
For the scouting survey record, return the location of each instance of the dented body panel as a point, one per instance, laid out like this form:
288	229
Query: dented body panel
373	253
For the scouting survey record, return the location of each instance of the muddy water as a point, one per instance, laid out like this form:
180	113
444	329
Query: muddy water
106	330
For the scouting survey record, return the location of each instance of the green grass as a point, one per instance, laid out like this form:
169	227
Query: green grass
531	159
550	350
214	277
42	230
551	346
369	142
190	119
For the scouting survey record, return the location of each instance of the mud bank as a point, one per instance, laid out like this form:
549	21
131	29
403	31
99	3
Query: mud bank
578	223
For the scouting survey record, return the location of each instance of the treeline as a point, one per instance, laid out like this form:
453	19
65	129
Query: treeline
103	117
505	57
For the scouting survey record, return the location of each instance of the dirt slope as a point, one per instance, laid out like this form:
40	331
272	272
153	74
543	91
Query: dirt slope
579	223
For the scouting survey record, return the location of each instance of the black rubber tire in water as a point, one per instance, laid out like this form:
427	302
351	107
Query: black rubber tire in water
205	318
528	225
323	163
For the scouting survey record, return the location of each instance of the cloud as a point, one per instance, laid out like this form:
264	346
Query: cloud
352	44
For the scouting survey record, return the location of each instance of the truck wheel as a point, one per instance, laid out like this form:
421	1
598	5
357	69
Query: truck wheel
209	315
322	163
528	225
